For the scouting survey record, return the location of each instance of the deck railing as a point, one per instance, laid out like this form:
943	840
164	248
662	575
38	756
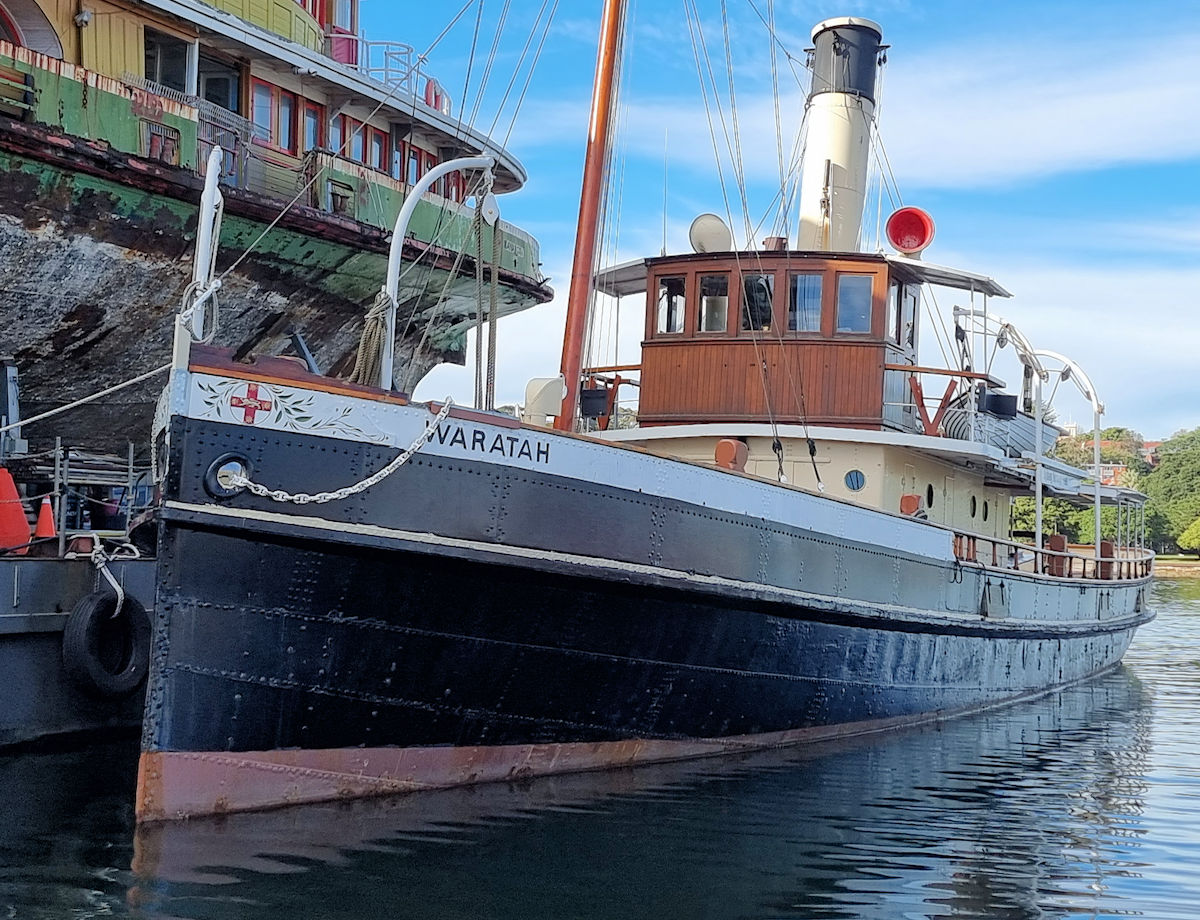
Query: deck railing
1073	561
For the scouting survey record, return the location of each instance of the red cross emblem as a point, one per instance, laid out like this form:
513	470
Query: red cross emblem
250	403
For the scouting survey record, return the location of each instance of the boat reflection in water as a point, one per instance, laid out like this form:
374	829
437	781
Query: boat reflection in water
1029	811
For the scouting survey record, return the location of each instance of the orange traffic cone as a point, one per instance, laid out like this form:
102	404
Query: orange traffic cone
45	521
14	529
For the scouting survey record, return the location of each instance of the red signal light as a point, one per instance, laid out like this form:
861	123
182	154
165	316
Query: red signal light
910	230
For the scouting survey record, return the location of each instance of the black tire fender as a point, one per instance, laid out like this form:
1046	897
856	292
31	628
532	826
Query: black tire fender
107	656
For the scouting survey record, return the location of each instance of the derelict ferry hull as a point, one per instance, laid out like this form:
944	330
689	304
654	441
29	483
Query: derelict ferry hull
475	618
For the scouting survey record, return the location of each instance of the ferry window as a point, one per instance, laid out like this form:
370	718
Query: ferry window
804	302
670	303
854	303
929	496
985	511
313	117
398	159
358	142
974	506
714	303
310	7
758	294
167	60
337	136
430	162
343	14
414	165
910	296
273	111
287	121
260	105
855	480
220	84
378	146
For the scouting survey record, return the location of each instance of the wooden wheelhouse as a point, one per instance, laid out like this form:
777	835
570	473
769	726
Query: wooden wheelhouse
792	337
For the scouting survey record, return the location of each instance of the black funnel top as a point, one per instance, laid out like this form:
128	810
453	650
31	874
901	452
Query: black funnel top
845	57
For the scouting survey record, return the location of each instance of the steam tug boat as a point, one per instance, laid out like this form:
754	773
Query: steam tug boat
361	595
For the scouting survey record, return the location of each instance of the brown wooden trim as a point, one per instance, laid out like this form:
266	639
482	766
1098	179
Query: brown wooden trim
612	369
943	371
206	359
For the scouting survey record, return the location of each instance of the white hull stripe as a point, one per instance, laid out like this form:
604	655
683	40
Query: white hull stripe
535	450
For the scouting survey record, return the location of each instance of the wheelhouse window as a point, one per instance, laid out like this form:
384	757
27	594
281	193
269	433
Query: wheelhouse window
892	328
167	60
671	292
273	111
714	303
312	7
804	302
358	142
758	295
854	303
910	297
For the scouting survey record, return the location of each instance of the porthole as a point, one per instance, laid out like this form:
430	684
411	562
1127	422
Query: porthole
929	496
974	506
855	480
985	510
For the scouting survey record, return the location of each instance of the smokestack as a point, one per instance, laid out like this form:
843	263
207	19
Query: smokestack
841	114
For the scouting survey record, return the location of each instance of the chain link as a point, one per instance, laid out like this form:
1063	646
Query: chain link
302	498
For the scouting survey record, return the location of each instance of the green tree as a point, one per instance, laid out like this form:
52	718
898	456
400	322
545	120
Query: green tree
1189	540
1174	485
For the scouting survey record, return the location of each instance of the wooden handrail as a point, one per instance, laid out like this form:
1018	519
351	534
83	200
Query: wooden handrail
611	369
946	372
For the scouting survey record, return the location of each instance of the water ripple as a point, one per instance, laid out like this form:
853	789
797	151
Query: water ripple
1082	804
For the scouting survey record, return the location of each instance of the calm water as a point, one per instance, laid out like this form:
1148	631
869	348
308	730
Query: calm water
1086	804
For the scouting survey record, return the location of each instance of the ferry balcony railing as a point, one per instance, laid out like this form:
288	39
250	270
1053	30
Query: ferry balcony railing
17	94
216	126
394	64
1073	561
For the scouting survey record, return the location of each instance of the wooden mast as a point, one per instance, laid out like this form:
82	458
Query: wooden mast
594	167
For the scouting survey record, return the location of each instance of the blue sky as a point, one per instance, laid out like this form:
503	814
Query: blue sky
1057	146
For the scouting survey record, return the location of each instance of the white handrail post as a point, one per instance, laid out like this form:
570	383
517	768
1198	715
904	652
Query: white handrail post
1096	462
205	260
391	286
1037	464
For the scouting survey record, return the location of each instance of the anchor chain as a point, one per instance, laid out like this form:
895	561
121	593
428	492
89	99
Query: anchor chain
302	498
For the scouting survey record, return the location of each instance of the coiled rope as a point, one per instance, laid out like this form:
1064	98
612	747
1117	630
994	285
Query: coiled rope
368	363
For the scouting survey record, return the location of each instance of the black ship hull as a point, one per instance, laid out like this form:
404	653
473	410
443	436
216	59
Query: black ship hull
433	635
